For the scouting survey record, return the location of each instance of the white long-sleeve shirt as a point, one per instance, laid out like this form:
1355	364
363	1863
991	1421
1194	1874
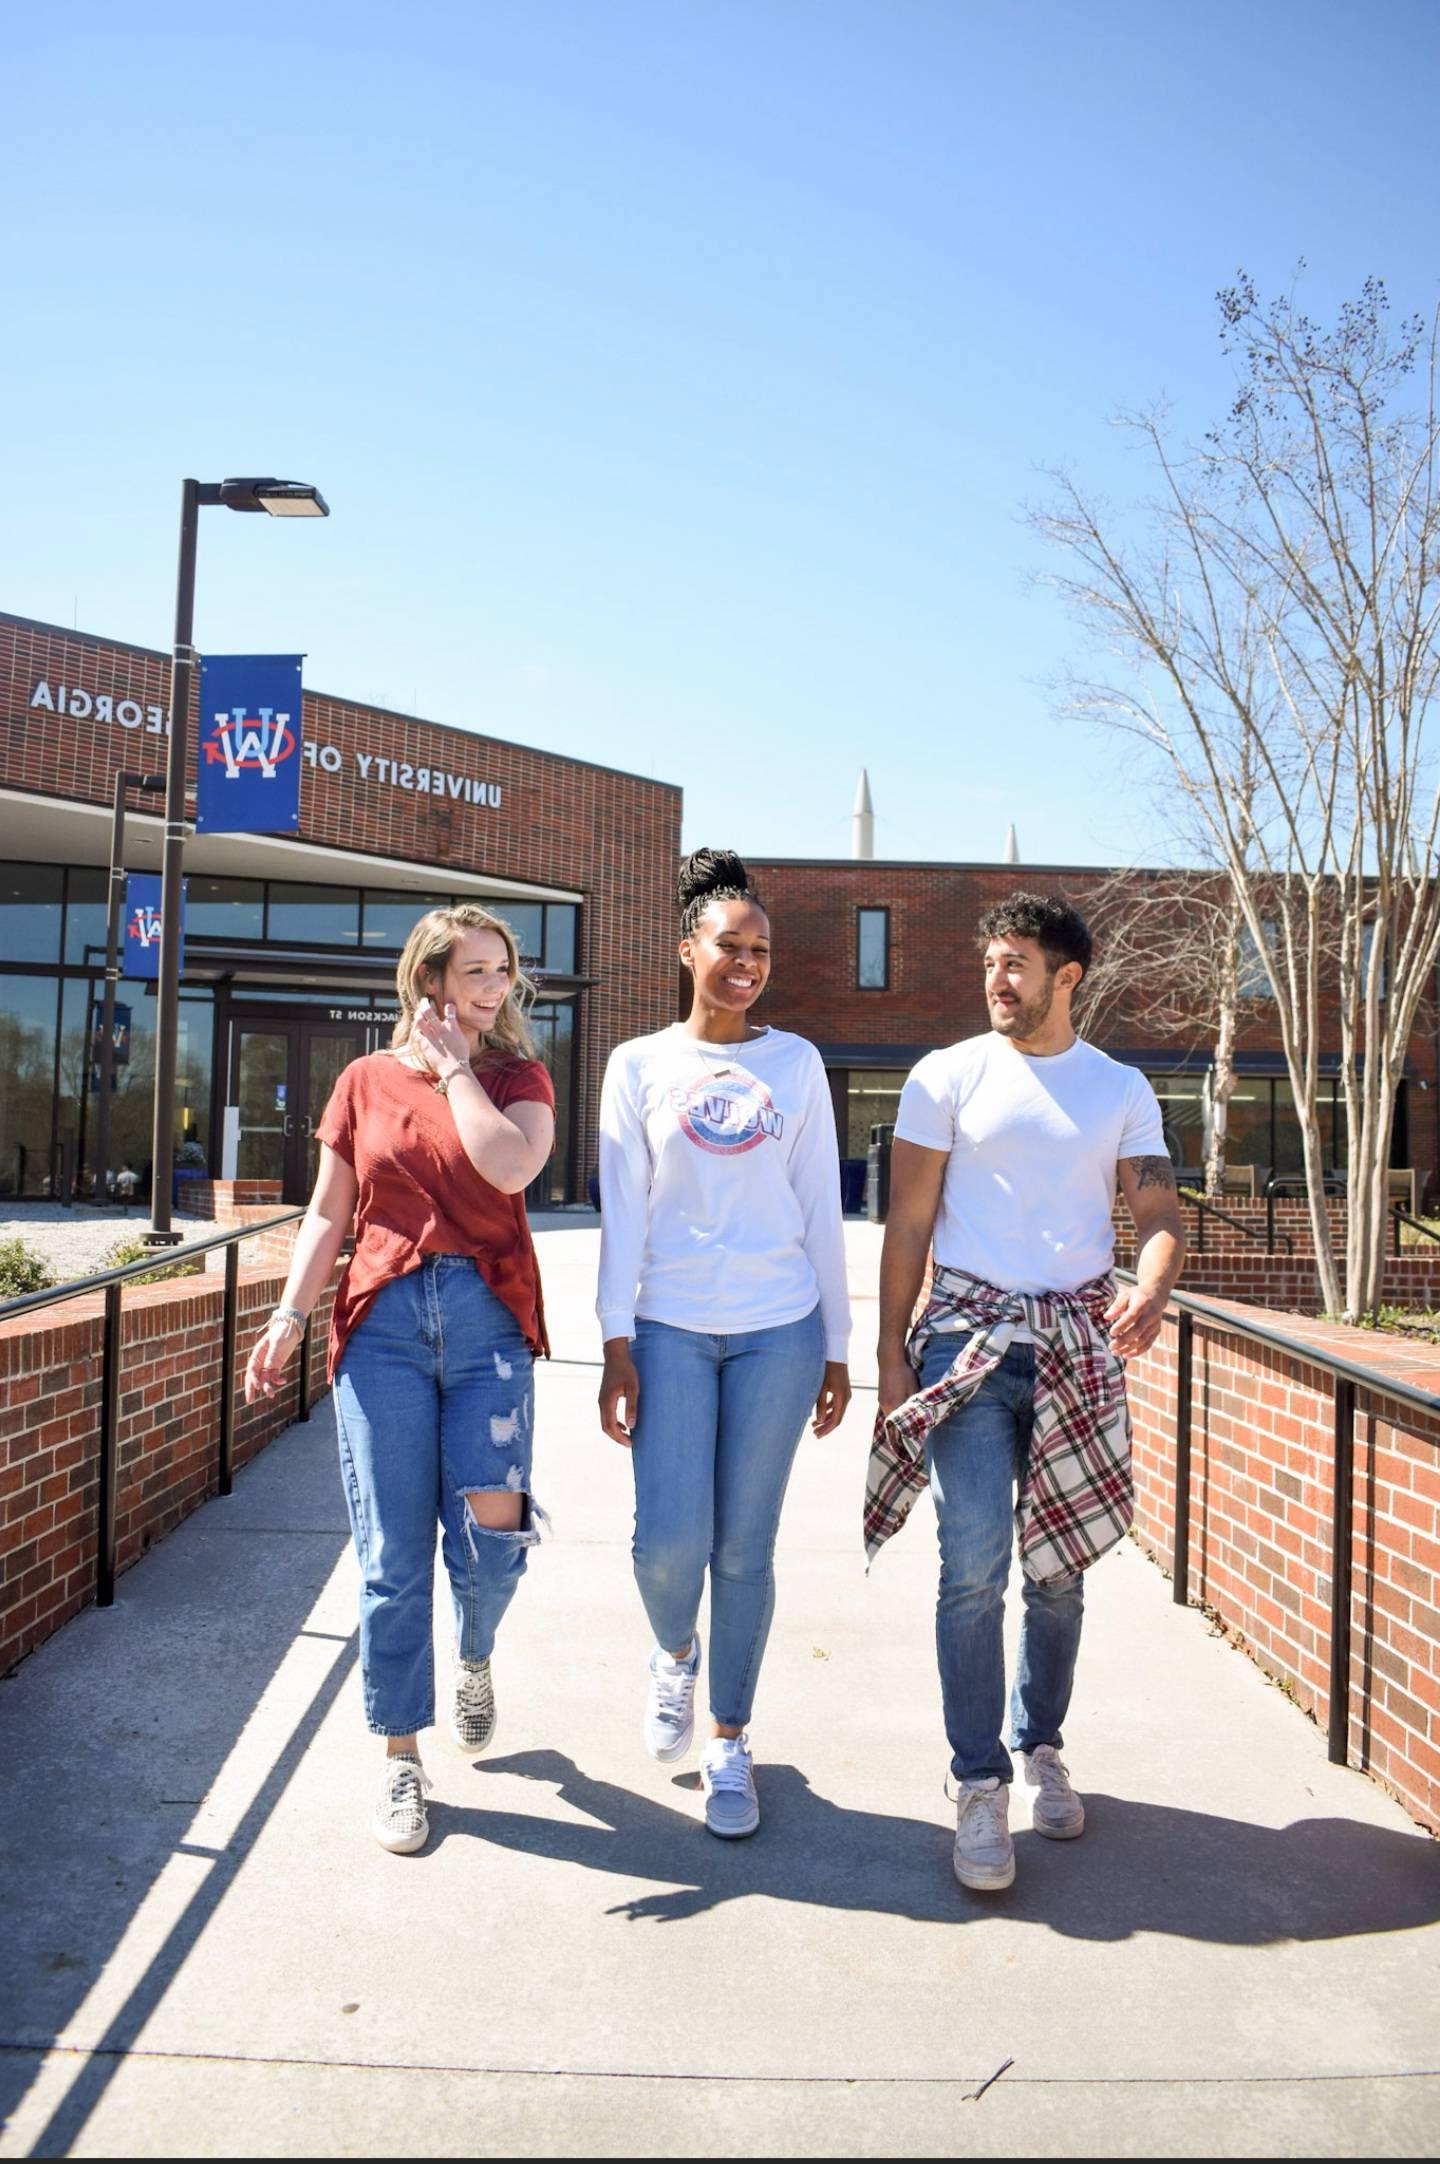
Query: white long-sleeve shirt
720	1187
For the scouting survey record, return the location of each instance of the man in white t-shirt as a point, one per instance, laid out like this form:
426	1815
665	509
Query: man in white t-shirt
1006	1155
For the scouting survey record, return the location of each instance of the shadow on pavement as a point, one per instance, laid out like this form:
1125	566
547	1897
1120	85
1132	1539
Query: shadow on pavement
1141	1867
120	1727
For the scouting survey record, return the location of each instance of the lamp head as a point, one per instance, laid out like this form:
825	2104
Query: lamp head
282	499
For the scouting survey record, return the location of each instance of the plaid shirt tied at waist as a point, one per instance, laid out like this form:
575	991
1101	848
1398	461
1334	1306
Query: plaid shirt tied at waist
1078	1498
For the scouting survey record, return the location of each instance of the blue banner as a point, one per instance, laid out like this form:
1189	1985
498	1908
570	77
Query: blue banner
142	925
249	772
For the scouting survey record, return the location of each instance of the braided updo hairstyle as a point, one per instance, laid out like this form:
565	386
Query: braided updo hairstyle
706	876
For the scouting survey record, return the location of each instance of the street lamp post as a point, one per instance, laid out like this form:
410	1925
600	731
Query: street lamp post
281	499
149	784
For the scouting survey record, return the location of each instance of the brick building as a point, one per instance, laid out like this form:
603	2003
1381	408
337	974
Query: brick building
876	961
291	940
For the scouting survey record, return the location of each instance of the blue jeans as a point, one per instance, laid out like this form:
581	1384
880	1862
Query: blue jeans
720	1421
977	1459
432	1403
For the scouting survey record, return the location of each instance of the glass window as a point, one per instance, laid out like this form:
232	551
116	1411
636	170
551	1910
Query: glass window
390	918
1247	1136
1182	1116
525	919
1252	982
232	909
86	888
560	925
27	1081
552	1022
132	1096
1367	943
30	912
314	916
872	949
874	1094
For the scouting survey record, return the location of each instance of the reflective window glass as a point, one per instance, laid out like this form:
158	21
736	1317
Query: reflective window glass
552	1024
872	959
1248	1129
27	1082
314	916
1182	1115
391	918
30	912
873	1096
86	888
232	909
525	919
560	929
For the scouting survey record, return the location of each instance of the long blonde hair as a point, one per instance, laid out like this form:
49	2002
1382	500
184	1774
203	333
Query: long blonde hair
427	953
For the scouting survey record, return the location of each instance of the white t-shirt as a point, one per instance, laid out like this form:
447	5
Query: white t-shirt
1033	1147
720	1187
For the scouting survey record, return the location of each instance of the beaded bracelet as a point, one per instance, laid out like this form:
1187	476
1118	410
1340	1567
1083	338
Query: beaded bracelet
292	1315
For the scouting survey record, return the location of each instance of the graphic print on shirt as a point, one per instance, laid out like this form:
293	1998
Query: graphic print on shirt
728	1112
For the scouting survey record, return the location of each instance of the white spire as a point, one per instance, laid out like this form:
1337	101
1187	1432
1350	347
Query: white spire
862	820
1012	846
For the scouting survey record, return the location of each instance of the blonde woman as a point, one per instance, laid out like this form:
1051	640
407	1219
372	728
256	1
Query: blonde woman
426	1149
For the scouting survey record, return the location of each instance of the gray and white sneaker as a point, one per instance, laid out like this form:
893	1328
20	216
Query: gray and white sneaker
670	1704
984	1855
401	1823
473	1718
1055	1809
727	1775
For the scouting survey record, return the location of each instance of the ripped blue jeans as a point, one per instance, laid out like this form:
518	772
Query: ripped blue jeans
433	1402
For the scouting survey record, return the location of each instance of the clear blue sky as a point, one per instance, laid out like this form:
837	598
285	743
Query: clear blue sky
677	371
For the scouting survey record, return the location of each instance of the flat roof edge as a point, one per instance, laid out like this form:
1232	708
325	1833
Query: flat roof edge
338	698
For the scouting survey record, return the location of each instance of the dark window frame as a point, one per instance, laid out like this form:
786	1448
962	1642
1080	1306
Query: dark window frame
872	909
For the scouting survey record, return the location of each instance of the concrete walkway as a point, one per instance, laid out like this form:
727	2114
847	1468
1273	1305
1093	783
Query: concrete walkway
205	1954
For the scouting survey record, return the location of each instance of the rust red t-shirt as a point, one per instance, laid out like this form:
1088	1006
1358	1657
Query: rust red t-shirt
419	1193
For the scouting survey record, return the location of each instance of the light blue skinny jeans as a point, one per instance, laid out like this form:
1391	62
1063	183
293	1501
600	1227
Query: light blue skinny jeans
433	1402
977	1459
720	1421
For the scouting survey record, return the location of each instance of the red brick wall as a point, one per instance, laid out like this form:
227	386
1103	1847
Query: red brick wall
1234	1265
1260	1528
935	993
614	838
168	1434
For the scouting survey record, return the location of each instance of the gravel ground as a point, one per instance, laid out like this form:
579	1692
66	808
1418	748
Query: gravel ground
73	1241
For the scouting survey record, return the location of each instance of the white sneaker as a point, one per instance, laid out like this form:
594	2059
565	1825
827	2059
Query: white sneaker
1055	1809
400	1822
670	1704
984	1857
473	1718
732	1808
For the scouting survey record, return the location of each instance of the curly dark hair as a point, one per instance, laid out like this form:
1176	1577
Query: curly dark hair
1055	925
706	876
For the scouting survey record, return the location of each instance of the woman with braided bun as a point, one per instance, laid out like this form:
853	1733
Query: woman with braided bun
426	1149
724	1311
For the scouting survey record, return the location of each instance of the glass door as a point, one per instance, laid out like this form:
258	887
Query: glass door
265	1059
325	1050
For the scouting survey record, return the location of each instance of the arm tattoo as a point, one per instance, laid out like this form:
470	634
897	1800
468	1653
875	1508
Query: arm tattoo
1152	1172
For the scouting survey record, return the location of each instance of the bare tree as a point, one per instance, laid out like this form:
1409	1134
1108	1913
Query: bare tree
1280	609
1168	953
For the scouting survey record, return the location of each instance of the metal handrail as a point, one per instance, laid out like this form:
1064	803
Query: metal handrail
1265	1239
112	1283
1348	1377
1402	1216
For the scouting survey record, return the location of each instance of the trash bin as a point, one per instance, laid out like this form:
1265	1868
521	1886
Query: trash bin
852	1185
877	1172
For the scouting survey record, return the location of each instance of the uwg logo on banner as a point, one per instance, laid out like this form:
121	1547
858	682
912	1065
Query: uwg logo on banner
249	778
142	925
